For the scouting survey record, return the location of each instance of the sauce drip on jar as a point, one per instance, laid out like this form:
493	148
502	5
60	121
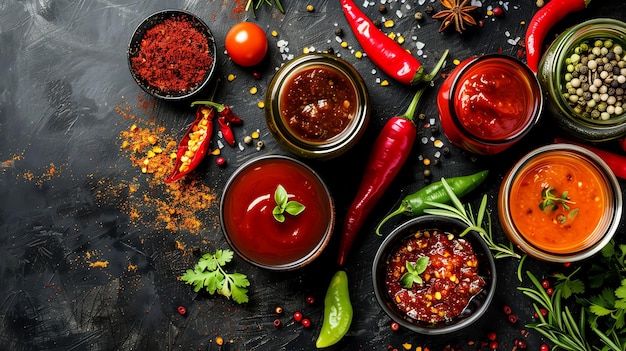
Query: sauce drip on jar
318	103
448	283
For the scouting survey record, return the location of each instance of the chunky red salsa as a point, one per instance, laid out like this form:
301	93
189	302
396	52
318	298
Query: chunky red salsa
449	281
318	103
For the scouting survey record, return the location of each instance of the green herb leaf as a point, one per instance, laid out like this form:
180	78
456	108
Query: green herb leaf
210	275
414	269
283	205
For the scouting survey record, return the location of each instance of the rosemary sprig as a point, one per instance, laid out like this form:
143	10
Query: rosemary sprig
253	5
476	223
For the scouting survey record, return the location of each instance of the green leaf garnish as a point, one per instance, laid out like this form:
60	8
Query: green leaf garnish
209	274
413	271
550	201
283	205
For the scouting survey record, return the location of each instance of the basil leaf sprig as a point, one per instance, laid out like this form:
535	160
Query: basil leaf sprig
413	271
283	205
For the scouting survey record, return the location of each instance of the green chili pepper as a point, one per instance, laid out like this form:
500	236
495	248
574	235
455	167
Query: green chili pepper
337	311
415	204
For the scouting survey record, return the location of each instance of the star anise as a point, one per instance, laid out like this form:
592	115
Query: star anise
458	12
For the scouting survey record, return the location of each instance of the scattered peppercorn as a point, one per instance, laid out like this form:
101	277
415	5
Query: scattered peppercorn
493	345
513	318
220	161
418	16
306	322
520	344
395	326
429	10
182	310
507	309
278	310
310	8
544	347
549	291
492	336
256	75
377	23
382	8
297	316
427	173
277	323
339	32
497	11
545	283
310	300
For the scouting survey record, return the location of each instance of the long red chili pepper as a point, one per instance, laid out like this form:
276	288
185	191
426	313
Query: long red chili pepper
389	153
542	22
622	143
617	163
194	144
385	53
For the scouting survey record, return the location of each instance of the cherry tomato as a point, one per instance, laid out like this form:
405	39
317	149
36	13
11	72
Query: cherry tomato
246	44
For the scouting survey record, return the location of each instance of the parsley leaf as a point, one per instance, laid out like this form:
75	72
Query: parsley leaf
209	274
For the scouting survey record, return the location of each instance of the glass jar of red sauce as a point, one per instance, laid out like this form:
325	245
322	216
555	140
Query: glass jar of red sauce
489	103
317	106
560	203
248	223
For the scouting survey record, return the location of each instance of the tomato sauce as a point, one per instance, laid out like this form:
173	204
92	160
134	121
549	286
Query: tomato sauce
559	230
318	103
488	103
251	227
449	281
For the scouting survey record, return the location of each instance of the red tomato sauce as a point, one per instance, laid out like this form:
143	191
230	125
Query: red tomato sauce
250	224
318	103
493	102
560	230
449	281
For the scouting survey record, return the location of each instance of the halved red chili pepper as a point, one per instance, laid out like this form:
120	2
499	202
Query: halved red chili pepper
389	153
542	22
194	144
385	53
617	163
227	131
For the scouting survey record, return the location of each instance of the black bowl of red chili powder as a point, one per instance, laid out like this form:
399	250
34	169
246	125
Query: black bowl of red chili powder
455	286
171	54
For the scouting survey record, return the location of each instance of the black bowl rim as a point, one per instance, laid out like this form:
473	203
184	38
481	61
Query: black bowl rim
480	249
148	23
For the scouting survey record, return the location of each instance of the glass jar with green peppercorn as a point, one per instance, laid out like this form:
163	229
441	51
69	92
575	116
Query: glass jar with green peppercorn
583	76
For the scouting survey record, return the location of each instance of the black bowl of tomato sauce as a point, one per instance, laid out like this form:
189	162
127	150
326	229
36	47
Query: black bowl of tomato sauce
455	287
171	54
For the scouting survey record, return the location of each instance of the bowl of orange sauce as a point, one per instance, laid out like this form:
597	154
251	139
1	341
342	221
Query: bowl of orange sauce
560	203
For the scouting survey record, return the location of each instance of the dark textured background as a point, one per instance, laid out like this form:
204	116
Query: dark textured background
63	72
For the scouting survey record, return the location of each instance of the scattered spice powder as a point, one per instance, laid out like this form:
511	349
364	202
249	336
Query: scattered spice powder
175	206
173	56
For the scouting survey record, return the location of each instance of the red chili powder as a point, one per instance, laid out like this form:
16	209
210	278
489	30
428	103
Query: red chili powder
173	56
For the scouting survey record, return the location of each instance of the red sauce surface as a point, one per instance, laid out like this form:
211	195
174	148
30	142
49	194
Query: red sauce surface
557	231
449	281
494	101
318	103
248	218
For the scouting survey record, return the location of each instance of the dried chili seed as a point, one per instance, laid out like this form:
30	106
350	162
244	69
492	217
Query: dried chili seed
306	322
297	316
182	310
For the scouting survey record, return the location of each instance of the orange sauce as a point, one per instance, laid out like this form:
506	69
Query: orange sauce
561	230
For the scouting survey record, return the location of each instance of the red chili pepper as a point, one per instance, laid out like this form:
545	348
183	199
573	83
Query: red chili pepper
622	143
542	22
388	155
617	163
194	144
227	131
384	52
230	116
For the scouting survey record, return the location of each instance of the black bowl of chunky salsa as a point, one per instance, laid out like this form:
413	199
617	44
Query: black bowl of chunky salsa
429	279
